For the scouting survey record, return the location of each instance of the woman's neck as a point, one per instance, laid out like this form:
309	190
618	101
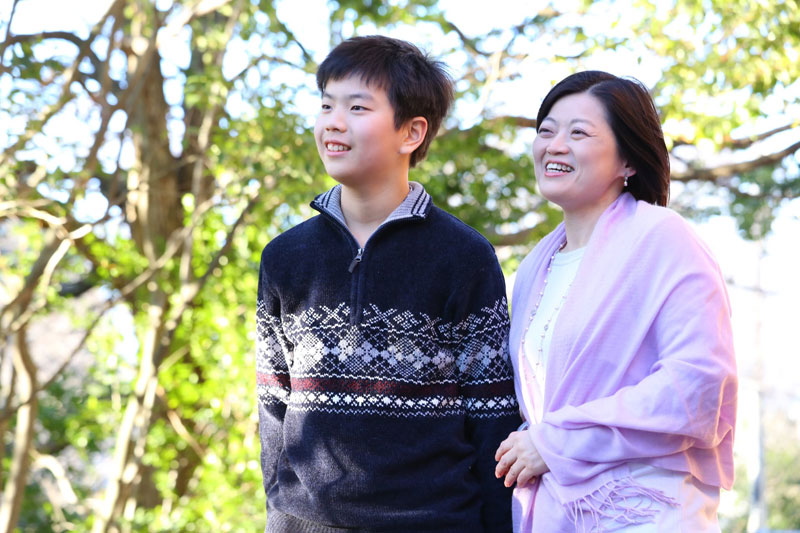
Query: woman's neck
579	225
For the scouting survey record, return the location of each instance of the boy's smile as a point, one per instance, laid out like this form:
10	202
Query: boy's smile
356	135
336	147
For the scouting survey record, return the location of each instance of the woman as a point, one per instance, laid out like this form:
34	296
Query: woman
620	333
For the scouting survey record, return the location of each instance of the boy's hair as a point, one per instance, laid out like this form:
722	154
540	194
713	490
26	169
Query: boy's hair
415	84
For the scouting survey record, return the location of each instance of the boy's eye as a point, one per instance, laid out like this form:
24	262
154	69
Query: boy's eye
326	106
358	108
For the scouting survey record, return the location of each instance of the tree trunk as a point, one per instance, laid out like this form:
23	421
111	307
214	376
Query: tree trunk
132	436
154	209
8	395
154	213
23	438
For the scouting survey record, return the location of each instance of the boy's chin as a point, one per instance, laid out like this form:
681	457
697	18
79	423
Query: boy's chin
346	179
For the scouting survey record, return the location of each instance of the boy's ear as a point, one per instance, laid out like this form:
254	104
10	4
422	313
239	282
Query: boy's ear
415	130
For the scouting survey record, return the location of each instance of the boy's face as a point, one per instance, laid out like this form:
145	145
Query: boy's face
355	134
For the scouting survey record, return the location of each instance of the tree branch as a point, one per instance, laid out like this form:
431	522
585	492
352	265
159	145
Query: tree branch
103	76
172	247
65	490
11	208
746	142
7	411
70	74
491	78
191	290
83	45
289	34
24	314
14	489
67	36
200	8
723	171
177	424
256	60
7	391
17	306
199	177
511	239
472	44
522	122
751	140
5	44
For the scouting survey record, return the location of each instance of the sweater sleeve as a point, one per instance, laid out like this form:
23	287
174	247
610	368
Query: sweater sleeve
273	354
487	389
686	401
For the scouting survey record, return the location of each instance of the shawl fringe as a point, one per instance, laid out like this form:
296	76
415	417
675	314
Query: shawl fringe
623	501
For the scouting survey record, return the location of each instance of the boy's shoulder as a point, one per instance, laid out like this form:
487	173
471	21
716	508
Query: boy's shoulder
458	247
441	234
460	234
298	238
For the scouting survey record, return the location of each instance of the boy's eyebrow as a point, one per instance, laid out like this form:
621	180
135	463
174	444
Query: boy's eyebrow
360	96
352	96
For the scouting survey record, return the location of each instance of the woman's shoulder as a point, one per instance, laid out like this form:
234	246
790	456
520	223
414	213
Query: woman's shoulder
664	233
663	223
649	217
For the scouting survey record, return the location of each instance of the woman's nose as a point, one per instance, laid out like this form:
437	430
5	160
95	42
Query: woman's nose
557	144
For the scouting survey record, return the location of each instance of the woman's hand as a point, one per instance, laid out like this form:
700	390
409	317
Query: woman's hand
518	460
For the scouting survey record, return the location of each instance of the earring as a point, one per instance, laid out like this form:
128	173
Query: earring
625	183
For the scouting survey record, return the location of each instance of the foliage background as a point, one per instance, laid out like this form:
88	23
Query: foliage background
151	152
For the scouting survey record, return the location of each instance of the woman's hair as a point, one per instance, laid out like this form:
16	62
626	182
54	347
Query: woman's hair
633	118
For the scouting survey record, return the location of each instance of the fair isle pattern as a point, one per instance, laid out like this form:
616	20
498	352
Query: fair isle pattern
395	363
374	404
272	352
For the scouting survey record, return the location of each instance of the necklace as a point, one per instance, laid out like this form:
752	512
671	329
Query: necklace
539	362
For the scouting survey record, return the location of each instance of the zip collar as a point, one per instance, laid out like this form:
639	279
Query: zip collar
416	205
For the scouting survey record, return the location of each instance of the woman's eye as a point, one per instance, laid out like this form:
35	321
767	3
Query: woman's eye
326	107
578	132
358	108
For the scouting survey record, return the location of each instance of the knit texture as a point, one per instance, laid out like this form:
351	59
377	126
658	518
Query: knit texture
384	385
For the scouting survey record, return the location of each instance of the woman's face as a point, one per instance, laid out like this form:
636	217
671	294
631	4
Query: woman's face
576	159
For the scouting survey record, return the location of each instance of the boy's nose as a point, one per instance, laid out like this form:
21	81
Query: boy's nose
335	122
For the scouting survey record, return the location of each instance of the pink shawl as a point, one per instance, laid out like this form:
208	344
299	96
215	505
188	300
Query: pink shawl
641	366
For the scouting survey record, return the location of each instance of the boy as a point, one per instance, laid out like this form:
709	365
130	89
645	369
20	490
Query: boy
384	385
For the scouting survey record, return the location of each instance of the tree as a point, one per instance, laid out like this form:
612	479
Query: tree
182	169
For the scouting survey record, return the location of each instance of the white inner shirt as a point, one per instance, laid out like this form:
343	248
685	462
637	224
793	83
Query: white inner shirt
562	271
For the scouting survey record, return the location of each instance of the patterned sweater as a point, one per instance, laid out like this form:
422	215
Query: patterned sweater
384	383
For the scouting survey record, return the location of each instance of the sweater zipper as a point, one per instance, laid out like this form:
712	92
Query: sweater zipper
355	309
356	260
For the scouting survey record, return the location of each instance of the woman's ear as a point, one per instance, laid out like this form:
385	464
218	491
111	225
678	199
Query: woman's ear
627	172
414	133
